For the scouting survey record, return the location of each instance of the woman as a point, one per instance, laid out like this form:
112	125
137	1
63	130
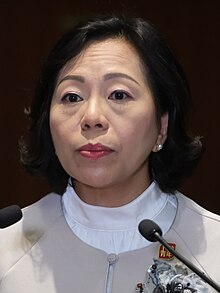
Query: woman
108	131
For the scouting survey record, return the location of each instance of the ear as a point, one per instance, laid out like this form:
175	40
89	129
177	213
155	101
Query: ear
162	135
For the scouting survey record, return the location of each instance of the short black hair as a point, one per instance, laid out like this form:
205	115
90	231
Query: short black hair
181	152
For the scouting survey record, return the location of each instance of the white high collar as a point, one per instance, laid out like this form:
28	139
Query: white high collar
115	230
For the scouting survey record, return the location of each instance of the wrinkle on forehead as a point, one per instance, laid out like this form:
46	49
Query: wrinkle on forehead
97	49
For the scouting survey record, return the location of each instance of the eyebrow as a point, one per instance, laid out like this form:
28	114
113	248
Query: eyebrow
107	76
72	77
119	75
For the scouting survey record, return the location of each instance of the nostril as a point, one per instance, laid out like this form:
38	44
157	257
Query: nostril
99	125
86	126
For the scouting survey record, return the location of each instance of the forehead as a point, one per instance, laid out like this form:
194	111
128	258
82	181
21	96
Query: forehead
108	55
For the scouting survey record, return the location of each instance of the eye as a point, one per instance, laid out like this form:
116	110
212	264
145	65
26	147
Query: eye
71	98
119	95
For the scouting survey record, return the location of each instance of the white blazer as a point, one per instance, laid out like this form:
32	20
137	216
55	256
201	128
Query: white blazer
40	254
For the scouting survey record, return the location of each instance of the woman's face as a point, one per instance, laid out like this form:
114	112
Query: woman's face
103	120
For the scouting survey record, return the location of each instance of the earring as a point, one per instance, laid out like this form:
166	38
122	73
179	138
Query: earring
159	147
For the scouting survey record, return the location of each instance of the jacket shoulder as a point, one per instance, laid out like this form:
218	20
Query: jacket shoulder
18	239
199	229
188	205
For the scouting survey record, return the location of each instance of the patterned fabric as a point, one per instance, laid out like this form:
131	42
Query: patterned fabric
169	277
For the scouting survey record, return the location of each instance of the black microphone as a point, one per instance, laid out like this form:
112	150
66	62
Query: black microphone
152	232
10	215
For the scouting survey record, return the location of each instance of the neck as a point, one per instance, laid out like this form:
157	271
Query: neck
112	196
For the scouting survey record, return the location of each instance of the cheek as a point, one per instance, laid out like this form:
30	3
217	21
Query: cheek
64	121
54	126
140	129
60	122
58	131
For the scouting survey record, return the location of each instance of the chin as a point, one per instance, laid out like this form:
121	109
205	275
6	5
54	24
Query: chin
96	183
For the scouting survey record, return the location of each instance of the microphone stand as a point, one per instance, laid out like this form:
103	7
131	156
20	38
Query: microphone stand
186	262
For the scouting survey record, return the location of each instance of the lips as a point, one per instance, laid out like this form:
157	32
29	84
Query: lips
94	151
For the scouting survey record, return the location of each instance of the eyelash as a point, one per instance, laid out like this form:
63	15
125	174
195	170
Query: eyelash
74	98
120	92
67	97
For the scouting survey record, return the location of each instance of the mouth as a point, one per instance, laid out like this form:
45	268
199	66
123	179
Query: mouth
94	151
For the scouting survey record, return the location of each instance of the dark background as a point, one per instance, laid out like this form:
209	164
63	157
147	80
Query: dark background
28	29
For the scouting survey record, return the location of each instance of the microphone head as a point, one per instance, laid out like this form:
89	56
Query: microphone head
10	215
148	228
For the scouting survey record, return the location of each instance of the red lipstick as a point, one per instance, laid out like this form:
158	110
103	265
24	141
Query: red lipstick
94	151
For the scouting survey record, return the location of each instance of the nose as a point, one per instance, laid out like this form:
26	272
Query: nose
94	117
